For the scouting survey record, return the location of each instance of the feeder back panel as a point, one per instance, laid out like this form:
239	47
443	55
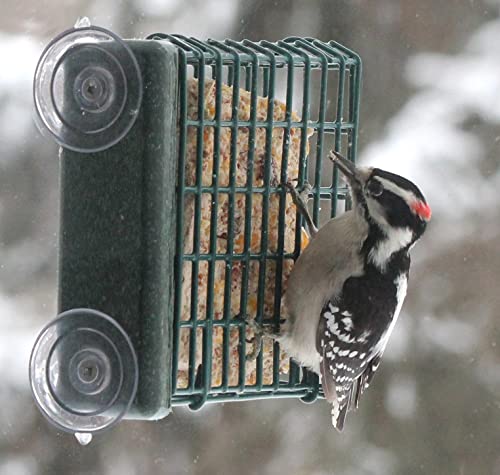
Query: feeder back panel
117	249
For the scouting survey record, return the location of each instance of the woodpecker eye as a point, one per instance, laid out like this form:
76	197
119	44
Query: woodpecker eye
375	188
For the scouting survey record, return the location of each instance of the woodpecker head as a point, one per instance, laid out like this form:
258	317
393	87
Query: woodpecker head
388	201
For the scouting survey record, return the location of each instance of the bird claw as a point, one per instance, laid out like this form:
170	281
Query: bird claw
300	201
260	332
256	340
299	198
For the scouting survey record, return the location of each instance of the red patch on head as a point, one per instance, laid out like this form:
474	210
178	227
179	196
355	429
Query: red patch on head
422	209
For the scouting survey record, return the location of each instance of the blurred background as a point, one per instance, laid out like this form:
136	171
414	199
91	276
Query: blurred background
430	110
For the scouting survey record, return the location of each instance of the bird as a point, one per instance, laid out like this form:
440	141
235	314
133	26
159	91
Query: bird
347	287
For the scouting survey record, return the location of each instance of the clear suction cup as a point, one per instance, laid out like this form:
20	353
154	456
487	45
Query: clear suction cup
83	371
87	89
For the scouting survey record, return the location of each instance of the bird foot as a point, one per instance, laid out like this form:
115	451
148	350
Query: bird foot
300	201
260	331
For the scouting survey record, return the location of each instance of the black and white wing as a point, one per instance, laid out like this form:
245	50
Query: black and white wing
350	355
352	336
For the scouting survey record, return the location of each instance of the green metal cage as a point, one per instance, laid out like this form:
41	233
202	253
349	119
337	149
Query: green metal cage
321	80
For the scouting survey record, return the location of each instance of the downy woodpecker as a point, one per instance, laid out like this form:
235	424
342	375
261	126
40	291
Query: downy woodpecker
346	290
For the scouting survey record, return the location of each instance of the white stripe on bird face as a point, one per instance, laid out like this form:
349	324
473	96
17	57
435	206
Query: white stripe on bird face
406	195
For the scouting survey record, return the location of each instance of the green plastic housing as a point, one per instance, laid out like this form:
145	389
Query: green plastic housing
117	246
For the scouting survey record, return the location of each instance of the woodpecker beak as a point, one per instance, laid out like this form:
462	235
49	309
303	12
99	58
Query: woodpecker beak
347	168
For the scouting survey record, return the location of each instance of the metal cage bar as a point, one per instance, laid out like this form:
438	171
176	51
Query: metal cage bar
257	67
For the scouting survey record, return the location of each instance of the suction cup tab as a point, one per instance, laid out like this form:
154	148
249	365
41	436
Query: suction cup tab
87	89
83	371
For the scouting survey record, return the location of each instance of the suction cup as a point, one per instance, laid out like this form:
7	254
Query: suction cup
87	89
83	371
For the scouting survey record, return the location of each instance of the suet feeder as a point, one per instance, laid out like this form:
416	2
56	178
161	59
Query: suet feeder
175	228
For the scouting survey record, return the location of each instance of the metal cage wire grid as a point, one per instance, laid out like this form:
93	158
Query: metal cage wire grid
322	81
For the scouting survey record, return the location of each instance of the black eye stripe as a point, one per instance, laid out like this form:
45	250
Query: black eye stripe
396	210
390	196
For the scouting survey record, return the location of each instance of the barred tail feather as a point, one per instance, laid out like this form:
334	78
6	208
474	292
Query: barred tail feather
339	414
